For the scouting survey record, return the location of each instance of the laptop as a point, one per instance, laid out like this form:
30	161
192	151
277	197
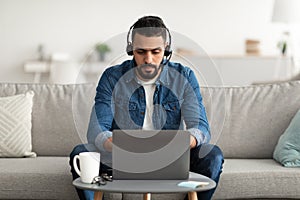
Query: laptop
151	155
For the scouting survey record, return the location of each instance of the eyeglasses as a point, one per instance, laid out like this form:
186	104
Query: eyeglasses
102	179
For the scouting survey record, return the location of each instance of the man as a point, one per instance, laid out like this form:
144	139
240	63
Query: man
151	93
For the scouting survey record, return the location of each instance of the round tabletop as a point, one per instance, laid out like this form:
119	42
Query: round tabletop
146	186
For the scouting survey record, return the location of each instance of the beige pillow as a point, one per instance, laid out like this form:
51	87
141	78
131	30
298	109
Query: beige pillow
15	125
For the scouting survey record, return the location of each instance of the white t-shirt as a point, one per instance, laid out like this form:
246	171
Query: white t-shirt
149	87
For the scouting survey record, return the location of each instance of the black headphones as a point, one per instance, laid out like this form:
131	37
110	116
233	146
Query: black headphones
129	48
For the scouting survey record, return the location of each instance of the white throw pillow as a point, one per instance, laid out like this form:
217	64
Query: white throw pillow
15	125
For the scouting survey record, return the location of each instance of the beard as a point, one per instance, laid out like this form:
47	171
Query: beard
147	74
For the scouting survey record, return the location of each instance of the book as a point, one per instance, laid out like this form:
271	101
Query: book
192	184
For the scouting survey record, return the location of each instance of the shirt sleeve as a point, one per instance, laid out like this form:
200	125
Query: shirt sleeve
102	114
194	111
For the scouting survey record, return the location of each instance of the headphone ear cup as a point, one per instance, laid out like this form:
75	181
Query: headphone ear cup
129	49
168	51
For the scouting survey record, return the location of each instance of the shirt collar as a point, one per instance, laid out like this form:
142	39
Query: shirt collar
130	74
163	78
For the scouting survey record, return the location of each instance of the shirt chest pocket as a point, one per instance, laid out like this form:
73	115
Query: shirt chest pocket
173	111
125	111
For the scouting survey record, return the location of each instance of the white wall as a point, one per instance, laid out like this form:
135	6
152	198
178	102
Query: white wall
74	26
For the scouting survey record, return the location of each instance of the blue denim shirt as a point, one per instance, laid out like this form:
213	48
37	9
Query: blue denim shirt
120	103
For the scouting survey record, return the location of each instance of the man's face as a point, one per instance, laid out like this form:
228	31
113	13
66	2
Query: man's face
148	54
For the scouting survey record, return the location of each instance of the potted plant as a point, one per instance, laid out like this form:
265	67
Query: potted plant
102	49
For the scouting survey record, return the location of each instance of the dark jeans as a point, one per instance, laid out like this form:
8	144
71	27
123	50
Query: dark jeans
207	159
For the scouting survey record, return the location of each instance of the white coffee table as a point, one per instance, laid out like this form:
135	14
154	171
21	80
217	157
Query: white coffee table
147	187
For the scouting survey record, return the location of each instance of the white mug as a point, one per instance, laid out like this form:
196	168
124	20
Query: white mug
89	165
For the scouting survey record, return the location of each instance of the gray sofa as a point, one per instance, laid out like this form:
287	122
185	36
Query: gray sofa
246	123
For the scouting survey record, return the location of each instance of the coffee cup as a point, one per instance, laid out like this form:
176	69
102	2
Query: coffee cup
89	163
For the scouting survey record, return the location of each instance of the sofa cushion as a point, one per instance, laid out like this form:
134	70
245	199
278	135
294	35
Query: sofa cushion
257	178
60	115
246	122
36	178
15	125
287	151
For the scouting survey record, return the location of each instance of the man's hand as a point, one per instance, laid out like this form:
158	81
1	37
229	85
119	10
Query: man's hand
193	142
108	144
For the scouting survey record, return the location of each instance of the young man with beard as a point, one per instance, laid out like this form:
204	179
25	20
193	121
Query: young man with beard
149	92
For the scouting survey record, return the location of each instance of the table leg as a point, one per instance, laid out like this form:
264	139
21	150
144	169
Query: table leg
192	196
98	195
147	196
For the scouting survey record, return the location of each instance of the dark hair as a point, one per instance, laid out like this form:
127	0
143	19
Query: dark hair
149	26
